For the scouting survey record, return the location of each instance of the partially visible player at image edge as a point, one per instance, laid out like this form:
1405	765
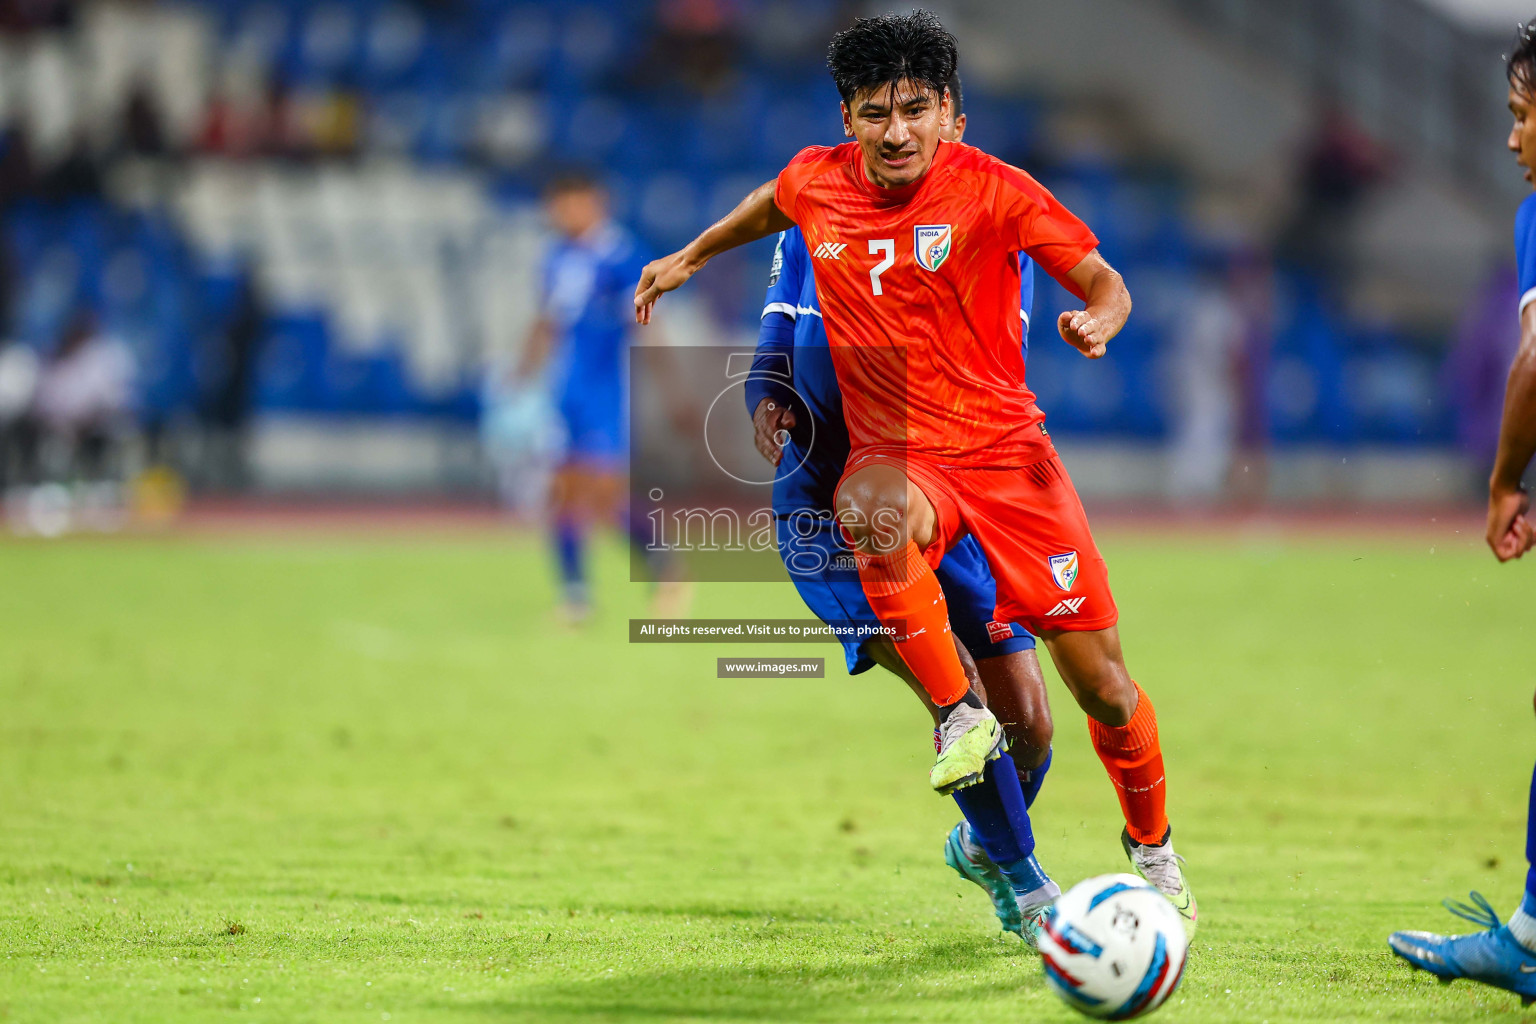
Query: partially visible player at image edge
1504	955
917	288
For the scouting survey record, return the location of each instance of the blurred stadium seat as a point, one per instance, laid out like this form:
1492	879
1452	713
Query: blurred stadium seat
374	164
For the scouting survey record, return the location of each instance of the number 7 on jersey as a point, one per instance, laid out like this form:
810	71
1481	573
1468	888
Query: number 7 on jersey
876	247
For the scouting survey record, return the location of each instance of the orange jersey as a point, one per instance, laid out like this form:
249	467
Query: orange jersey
919	293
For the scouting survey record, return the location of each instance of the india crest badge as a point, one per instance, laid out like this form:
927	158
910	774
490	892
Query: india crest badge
1064	569
931	243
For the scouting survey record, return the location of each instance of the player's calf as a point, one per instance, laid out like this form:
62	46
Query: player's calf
887	518
1123	726
1122	723
1092	665
1015	691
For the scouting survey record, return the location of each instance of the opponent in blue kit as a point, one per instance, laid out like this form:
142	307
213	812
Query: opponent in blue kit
1504	955
797	411
579	345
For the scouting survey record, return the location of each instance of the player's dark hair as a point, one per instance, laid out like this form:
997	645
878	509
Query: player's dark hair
893	48
1521	62
572	179
956	96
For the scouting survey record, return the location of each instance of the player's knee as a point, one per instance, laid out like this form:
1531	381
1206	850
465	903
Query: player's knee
872	507
1108	696
1031	739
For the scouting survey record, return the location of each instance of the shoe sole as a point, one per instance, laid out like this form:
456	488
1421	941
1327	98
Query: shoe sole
1446	979
1418	966
971	779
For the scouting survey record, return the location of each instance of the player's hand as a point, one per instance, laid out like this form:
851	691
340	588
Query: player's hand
1083	332
771	424
1510	534
660	276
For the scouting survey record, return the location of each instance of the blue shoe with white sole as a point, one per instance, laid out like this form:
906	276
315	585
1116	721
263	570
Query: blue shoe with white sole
1492	957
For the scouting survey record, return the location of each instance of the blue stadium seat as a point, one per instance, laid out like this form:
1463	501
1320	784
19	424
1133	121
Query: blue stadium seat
1306	399
290	373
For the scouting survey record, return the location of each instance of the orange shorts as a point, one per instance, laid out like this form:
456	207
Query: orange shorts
1029	521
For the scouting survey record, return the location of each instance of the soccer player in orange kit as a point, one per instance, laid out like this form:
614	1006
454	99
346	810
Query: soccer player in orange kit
915	244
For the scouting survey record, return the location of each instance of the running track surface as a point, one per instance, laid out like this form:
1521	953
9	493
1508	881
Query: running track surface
1454	523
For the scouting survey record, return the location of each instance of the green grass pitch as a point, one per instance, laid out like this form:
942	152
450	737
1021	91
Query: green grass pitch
356	779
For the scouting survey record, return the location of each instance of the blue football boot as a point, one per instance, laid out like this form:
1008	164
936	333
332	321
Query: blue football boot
1492	957
965	855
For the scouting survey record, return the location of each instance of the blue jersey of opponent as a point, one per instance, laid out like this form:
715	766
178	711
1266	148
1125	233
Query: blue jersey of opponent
794	365
1525	250
587	293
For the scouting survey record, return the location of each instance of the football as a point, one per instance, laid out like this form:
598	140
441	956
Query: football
1114	947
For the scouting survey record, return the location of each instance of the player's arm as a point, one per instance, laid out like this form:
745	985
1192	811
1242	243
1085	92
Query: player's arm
536	347
1107	305
1035	223
756	216
773	415
769	393
1509	532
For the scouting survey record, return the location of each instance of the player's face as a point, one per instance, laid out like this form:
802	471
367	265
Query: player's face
574	212
1522	137
897	128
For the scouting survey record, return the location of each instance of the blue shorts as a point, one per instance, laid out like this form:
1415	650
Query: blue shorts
823	571
595	428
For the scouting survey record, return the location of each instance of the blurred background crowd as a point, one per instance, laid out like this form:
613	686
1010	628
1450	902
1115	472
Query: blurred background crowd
287	246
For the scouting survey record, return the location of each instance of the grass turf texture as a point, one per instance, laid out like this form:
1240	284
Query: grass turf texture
365	780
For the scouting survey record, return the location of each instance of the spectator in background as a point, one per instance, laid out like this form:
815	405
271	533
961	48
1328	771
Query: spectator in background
7	289
1477	366
18	17
697	44
17	174
1339	167
283	129
83	405
1207	383
234	121
336	123
1252	281
226	404
18	384
142	145
142	130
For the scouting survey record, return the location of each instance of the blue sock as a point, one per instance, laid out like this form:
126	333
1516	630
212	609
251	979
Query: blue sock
1522	923
1035	778
570	547
658	564
997	814
1530	844
1026	876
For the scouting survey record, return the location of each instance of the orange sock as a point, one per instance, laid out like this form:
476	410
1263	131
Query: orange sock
1134	759
906	596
